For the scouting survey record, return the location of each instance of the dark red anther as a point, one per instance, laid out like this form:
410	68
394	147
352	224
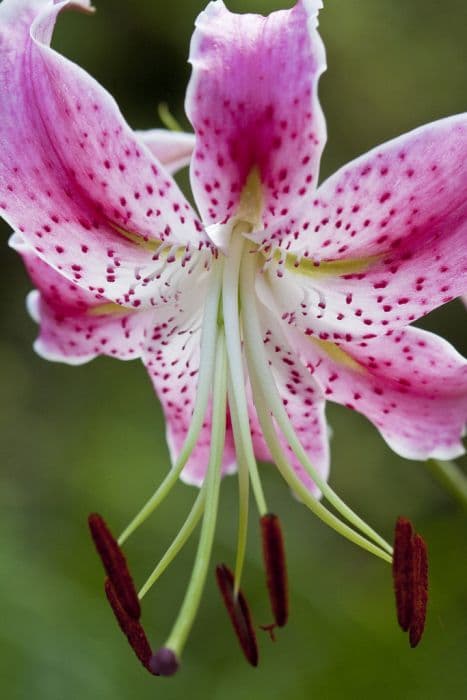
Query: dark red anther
115	565
410	571
276	569
419	589
130	627
164	662
239	613
402	571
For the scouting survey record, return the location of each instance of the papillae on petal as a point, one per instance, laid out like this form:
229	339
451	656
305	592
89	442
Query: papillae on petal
172	358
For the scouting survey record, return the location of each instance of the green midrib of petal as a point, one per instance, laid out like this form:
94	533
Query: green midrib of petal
337	268
338	355
108	309
152	245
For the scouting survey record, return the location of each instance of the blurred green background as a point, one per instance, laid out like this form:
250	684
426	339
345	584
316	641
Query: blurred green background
92	438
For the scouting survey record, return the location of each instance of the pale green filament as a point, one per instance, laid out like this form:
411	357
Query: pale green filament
186	616
296	484
258	365
239	405
180	540
243	494
231	320
207	357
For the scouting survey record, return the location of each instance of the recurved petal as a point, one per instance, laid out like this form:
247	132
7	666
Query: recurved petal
303	401
172	359
412	385
74	179
173	149
75	327
400	191
253	103
393	225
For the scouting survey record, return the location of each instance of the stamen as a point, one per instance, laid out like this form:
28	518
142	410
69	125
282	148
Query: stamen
288	473
130	627
207	355
420	590
239	614
115	565
410	572
266	392
276	569
186	530
164	662
402	571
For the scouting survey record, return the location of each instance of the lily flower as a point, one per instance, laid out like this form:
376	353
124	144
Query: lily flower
277	296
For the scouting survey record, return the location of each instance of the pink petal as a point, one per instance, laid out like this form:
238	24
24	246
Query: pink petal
252	100
74	327
396	193
412	385
171	356
71	168
173	149
304	403
405	204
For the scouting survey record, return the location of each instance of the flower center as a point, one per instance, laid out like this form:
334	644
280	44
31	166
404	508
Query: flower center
233	358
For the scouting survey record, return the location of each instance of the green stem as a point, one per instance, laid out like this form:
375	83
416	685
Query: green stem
452	477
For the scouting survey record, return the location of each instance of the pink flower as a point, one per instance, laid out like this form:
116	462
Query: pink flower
279	295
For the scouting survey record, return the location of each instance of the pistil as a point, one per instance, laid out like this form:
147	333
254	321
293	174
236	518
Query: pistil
243	496
231	314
